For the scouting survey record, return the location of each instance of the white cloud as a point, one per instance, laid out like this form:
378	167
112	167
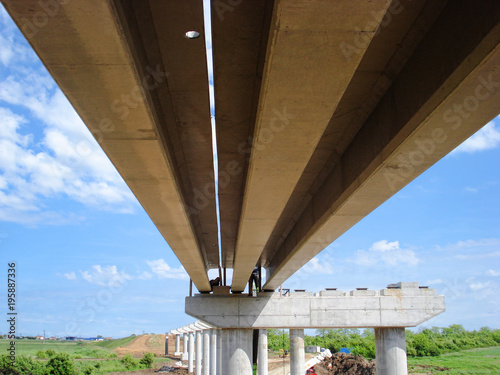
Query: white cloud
64	160
470	244
317	266
478	285
485	139
106	276
161	269
493	273
70	275
385	253
471	189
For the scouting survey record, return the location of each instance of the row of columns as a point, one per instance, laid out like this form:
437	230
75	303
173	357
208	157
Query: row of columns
205	350
229	351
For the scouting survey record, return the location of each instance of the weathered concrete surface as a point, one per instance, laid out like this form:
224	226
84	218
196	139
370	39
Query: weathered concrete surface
320	121
303	82
148	110
236	347
199	352
408	306
390	348
262	360
441	96
297	352
213	351
191	352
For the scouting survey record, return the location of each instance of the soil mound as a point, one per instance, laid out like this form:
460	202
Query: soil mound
143	344
346	364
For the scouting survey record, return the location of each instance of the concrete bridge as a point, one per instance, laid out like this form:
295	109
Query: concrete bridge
324	110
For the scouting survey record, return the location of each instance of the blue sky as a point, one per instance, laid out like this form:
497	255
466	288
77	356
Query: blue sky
90	261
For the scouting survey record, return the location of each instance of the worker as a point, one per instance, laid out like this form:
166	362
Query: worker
214	282
254	278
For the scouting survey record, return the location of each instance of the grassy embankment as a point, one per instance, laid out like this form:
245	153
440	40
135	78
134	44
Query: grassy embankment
88	357
483	361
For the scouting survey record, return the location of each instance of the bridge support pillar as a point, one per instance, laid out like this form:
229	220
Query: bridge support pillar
262	367
184	355
297	352
236	356
177	345
390	350
199	353
213	351
191	352
218	351
206	352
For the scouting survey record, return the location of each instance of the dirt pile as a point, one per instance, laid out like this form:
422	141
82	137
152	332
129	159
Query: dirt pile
346	364
143	344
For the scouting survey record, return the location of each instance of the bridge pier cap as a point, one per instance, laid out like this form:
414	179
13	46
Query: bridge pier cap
405	304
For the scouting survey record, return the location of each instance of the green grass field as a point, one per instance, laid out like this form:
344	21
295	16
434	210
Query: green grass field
101	349
30	347
484	361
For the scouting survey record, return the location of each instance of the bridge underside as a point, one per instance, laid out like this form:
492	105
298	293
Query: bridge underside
324	110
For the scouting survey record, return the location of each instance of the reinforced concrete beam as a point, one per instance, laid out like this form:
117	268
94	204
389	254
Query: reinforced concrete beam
141	88
240	33
445	92
407	306
303	81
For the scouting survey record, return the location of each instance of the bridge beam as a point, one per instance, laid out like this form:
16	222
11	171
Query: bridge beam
443	94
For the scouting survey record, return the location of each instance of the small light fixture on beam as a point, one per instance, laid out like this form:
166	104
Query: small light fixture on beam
192	34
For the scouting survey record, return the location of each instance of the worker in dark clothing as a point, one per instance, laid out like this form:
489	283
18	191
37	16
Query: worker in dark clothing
254	278
214	282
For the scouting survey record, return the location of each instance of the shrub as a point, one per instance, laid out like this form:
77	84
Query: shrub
27	365
6	366
129	362
41	354
147	360
50	353
61	364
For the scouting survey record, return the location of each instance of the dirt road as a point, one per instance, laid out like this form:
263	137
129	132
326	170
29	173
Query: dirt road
143	344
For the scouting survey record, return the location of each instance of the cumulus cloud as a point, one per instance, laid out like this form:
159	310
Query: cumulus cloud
478	285
163	271
485	139
493	273
106	276
45	149
317	266
385	253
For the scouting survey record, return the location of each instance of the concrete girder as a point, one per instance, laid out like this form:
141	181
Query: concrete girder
304	79
402	29
426	108
94	52
240	35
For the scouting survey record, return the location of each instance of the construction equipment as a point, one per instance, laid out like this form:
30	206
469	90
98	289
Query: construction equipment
283	353
311	371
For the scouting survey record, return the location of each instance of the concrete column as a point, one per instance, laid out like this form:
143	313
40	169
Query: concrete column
206	352
177	344
218	353
191	352
236	356
297	352
199	353
213	352
263	352
185	340
390	349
